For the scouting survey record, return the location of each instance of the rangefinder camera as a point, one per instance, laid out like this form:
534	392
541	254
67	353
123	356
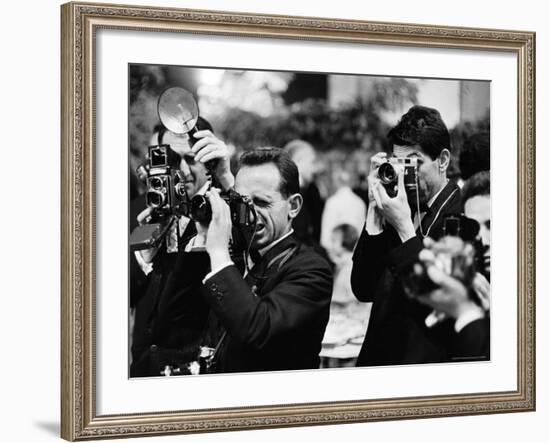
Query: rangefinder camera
387	173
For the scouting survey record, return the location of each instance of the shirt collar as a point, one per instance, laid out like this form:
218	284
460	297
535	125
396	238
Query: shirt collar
203	188
264	250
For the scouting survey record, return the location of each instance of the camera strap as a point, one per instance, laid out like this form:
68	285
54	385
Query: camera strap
436	217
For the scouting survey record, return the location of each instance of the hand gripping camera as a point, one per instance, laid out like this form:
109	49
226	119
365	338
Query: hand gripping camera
178	112
387	173
166	193
459	253
241	208
243	220
165	182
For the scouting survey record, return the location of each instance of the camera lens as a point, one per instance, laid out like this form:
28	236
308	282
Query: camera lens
179	189
387	173
155	199
156	183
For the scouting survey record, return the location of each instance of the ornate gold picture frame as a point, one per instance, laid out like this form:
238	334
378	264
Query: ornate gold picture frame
80	23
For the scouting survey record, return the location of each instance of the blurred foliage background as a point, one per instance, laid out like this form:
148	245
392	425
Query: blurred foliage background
346	118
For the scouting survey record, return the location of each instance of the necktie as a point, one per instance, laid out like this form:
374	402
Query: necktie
176	230
253	275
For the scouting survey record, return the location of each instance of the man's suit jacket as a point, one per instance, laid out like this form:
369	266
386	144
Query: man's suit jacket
397	333
275	318
473	341
153	298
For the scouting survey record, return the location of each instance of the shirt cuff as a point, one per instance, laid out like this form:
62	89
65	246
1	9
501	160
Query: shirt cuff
215	271
434	318
147	268
196	244
468	317
373	226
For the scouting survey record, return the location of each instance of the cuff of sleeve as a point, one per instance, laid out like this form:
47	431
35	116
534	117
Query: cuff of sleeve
147	268
215	271
196	244
434	318
468	317
373	226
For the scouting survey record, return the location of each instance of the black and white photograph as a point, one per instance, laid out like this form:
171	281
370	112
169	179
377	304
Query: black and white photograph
277	219
284	221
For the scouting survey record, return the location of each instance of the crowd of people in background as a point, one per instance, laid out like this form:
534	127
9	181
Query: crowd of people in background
335	279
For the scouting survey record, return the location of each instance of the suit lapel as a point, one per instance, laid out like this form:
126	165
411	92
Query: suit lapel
433	211
268	264
189	232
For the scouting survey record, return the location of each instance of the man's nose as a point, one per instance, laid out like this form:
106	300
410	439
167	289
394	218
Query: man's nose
485	235
184	167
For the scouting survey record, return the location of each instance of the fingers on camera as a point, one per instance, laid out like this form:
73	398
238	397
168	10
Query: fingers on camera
203	141
202	133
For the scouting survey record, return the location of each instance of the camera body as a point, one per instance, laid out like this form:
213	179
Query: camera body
165	194
243	219
165	182
387	173
241	208
468	230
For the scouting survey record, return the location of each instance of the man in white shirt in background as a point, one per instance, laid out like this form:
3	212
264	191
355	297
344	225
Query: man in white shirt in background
344	207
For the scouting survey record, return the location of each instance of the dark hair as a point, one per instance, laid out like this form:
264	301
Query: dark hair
201	125
477	184
287	168
475	155
349	235
424	127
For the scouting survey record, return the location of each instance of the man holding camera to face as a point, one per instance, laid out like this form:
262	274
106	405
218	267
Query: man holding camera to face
409	197
274	312
167	329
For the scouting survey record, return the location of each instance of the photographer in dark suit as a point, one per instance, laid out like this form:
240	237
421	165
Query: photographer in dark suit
397	332
167	329
274	316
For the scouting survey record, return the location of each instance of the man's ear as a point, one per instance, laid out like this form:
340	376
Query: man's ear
296	201
444	160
